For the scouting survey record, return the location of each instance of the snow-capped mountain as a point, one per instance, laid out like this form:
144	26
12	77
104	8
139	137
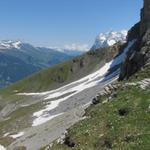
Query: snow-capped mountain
109	39
18	45
9	44
18	60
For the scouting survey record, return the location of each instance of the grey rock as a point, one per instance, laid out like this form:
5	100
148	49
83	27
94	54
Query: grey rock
145	17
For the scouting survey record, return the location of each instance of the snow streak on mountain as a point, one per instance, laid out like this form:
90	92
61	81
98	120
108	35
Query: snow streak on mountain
9	44
74	88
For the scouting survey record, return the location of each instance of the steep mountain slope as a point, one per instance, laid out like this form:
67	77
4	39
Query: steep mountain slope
12	69
68	71
31	111
23	59
119	119
38	110
109	39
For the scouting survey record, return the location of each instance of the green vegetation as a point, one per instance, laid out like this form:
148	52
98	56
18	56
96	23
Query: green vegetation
121	124
140	75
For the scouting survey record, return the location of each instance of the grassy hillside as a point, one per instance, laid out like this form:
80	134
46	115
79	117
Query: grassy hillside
106	127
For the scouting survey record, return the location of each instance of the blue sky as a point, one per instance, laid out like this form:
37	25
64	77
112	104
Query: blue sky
61	22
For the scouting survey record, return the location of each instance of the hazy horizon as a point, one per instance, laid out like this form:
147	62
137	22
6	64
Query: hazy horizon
54	23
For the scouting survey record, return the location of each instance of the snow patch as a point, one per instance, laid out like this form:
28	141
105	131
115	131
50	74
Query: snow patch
41	119
17	135
16	44
10	44
6	134
2	147
121	57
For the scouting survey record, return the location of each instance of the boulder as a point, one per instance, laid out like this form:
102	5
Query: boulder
69	142
123	111
96	100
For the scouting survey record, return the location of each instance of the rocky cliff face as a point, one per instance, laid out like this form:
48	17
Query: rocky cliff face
139	54
145	17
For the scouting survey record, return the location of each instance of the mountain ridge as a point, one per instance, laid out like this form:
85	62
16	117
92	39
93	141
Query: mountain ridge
32	58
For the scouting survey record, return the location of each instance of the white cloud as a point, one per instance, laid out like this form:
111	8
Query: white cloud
78	47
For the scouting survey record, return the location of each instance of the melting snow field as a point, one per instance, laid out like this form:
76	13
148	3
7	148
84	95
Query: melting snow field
42	120
74	88
91	80
17	135
6	134
2	147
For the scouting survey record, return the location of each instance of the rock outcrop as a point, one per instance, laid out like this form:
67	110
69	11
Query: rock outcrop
139	54
145	17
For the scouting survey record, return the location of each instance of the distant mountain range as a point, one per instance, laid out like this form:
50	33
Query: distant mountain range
18	60
109	39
